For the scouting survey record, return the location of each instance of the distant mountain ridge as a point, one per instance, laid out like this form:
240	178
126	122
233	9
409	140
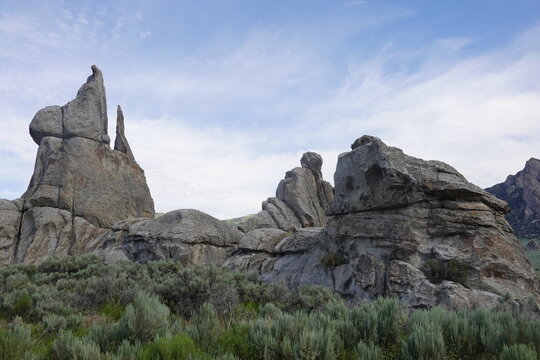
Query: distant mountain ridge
522	193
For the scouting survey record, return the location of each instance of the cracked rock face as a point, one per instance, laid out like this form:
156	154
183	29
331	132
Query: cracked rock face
522	192
80	186
189	236
302	199
403	227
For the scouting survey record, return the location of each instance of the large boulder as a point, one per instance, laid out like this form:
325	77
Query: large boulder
189	236
426	215
522	192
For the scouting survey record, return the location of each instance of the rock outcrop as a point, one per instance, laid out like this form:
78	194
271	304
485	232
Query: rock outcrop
302	199
403	227
522	193
80	187
86	197
188	236
393	226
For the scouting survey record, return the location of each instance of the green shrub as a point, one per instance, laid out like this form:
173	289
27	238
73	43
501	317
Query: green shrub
205	328
333	260
390	319
22	306
424	343
145	319
518	352
105	335
317	344
113	311
16	343
128	351
69	347
368	352
235	316
453	270
178	347
236	341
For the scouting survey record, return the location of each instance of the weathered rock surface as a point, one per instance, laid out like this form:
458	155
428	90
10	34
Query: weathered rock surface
189	236
121	143
80	187
302	199
10	224
403	227
86	115
522	193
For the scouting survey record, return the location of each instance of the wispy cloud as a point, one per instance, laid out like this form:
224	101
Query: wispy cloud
217	130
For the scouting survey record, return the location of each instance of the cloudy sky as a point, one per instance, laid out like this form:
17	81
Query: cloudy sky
221	98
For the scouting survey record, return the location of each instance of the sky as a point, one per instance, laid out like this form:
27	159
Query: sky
221	98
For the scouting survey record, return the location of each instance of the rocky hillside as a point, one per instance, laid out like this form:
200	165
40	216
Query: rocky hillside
522	193
393	226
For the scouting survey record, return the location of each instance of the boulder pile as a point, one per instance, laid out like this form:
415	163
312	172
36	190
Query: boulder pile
403	227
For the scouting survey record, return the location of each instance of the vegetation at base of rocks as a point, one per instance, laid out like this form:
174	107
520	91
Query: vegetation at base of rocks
331	259
532	255
81	308
452	270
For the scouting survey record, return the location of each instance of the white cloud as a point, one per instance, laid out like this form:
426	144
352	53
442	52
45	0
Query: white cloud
479	113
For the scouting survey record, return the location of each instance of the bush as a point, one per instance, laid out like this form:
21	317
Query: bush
221	314
128	351
178	347
452	270
69	347
205	328
368	352
390	319
236	341
333	260
425	343
22	306
113	311
317	344
518	352
145	319
15	343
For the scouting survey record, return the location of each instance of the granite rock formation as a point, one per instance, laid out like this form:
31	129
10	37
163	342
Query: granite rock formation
522	193
394	225
188	236
301	200
80	187
403	227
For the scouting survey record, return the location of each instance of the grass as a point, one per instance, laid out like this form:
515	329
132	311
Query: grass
532	255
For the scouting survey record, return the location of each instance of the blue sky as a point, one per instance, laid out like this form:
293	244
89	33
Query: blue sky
221	98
